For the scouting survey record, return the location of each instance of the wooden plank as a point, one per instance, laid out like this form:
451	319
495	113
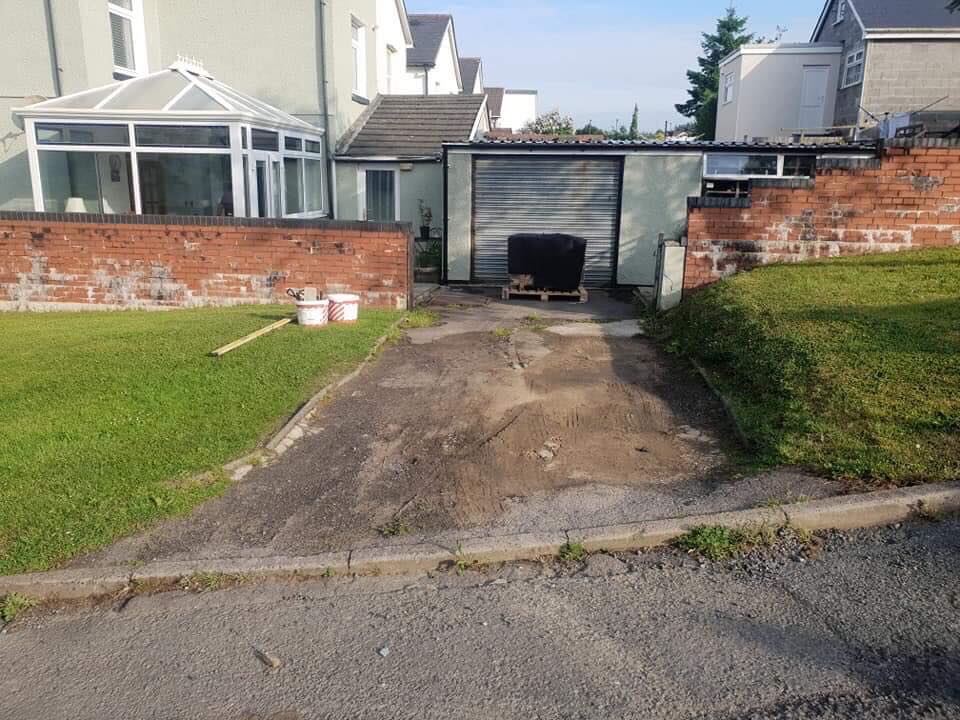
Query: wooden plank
220	352
544	295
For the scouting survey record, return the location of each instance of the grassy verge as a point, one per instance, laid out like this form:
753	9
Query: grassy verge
107	418
850	367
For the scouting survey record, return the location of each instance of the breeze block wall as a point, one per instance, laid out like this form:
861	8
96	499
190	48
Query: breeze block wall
908	198
69	261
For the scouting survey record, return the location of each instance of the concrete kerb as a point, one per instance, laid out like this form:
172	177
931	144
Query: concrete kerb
841	513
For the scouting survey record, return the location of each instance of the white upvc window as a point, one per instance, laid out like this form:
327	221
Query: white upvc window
358	43
128	38
853	67
841	12
391	67
727	88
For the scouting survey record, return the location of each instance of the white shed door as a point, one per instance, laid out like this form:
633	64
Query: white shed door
575	196
813	97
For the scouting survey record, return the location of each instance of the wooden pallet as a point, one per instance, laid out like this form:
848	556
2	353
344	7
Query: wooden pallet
509	292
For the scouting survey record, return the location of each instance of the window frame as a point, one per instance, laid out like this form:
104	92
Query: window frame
860	50
358	47
138	39
841	12
727	88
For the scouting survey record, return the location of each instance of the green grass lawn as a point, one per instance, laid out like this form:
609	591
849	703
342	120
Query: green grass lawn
850	367
106	418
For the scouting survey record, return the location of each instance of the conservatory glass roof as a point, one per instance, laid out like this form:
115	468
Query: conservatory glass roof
180	92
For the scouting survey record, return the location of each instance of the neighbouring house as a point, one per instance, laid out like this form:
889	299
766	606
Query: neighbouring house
471	72
872	66
511	110
800	76
50	49
433	63
389	164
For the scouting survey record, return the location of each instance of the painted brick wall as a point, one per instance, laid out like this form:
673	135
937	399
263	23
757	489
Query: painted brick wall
48	261
908	199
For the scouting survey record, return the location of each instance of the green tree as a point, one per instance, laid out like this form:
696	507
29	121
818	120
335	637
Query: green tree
705	82
590	129
635	123
552	123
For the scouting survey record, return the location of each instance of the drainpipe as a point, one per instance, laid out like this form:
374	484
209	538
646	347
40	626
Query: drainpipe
321	32
52	39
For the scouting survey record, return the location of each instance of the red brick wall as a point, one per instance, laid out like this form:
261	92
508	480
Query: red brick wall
45	259
908	199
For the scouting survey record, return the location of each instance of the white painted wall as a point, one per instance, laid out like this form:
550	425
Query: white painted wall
388	32
768	83
444	77
519	108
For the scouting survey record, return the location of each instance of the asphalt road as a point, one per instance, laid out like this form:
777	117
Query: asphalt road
868	629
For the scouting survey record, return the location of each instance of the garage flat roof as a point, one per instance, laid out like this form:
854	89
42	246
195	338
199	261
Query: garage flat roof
561	145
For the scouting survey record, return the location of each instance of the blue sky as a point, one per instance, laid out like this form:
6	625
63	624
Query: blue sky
595	58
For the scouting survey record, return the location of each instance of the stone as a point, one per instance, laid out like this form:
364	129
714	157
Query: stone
384	651
603	565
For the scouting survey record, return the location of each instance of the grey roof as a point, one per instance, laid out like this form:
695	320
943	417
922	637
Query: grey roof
906	14
428	31
494	100
568	143
412	126
469	67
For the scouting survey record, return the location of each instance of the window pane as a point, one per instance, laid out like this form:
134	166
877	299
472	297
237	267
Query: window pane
799	165
265	140
314	147
182	136
293	143
172	184
86	182
741	164
313	169
380	196
66	134
125	4
291	176
121	31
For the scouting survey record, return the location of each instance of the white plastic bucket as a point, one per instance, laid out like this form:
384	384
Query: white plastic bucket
344	308
313	313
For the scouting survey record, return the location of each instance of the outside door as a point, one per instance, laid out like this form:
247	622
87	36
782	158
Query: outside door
265	186
813	97
381	195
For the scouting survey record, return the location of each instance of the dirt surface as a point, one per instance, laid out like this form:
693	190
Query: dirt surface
484	423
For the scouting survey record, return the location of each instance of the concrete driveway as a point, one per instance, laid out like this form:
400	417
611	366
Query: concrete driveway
505	417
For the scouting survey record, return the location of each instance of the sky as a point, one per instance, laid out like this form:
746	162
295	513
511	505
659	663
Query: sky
594	59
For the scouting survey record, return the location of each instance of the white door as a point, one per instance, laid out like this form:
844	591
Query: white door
264	184
813	97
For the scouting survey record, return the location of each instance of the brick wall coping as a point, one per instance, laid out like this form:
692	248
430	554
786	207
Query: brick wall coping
205	221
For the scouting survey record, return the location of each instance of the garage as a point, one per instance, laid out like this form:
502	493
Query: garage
541	194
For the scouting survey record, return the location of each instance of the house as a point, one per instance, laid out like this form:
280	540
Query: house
433	63
55	49
389	164
471	72
868	62
511	110
800	76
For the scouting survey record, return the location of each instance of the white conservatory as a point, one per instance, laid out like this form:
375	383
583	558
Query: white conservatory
175	142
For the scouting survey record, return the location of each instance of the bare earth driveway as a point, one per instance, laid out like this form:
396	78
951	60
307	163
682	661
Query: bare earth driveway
503	418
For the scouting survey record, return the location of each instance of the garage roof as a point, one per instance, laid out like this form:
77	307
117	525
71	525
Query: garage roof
585	143
412	126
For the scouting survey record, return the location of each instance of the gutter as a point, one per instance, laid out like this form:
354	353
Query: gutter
52	39
331	177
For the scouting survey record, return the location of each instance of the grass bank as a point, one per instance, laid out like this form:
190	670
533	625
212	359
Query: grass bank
850	367
106	418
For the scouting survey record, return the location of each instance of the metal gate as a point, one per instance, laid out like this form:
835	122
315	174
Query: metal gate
576	196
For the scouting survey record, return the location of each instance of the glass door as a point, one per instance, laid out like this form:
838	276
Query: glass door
266	187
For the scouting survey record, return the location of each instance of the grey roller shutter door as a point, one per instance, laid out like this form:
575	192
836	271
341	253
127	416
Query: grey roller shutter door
576	196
